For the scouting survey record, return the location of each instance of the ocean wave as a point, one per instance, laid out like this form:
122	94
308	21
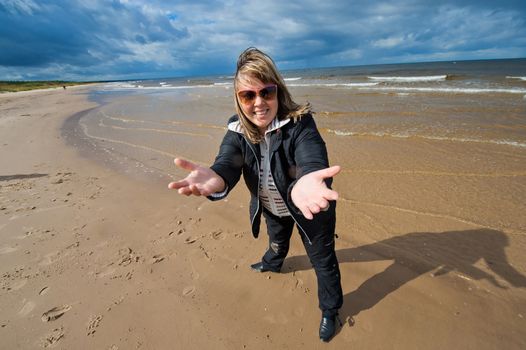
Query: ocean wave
128	86
437	138
334	84
519	78
410	79
450	90
120	86
292	79
374	86
404	90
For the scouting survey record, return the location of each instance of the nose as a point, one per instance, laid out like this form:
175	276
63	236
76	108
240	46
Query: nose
258	101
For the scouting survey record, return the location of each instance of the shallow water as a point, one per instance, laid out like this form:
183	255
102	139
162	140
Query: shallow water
459	136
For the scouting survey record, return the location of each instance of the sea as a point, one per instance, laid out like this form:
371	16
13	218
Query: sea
140	125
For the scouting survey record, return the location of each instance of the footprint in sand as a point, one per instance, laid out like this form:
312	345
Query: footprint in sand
18	284
55	313
157	258
217	234
299	312
27	308
52	338
127	256
49	258
276	319
188	290
190	240
7	250
93	324
107	272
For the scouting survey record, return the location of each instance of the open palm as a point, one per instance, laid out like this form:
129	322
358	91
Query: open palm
201	181
311	195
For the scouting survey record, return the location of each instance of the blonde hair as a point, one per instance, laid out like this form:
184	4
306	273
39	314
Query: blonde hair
253	63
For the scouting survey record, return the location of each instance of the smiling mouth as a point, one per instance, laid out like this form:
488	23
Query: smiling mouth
261	113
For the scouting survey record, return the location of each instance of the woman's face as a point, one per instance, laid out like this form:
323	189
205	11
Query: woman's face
258	101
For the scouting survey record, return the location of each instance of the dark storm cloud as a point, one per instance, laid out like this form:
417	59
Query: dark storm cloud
136	38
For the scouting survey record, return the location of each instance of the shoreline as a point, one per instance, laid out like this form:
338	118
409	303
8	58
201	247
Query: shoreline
51	88
93	257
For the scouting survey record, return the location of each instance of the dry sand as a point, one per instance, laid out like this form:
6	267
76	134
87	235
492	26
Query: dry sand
95	260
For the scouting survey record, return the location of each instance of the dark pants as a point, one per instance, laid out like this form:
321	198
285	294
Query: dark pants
321	254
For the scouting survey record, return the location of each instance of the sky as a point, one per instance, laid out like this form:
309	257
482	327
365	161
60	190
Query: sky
86	40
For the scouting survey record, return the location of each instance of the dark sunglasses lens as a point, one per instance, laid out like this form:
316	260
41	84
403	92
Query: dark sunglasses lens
247	96
268	93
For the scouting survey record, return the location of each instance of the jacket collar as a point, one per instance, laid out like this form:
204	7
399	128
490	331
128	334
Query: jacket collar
274	125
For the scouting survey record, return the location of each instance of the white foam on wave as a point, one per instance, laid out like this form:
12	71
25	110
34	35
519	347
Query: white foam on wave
450	90
292	79
351	85
438	138
119	85
411	79
519	78
126	86
374	86
341	132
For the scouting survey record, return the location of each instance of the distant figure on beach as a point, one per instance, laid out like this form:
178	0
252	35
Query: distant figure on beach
64	87
276	145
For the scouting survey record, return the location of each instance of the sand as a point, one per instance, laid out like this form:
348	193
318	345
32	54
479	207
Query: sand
431	252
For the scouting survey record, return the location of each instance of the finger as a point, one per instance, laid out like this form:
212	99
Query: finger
185	190
330	195
195	190
177	184
323	204
314	208
185	164
306	212
329	172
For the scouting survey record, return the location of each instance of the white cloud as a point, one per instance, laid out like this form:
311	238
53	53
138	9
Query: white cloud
388	42
26	7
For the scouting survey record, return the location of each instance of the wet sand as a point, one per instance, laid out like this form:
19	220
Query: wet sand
431	244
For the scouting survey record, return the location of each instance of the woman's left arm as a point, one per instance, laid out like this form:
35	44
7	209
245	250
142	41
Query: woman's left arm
311	191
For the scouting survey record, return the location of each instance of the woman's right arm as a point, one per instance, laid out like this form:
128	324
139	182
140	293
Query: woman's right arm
221	177
229	161
201	181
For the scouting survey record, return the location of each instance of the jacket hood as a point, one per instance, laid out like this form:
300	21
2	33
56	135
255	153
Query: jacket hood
236	126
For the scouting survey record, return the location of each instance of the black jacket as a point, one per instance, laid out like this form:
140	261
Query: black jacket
296	149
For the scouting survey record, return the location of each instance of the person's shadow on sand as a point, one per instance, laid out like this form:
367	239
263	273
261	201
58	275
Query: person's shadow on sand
418	253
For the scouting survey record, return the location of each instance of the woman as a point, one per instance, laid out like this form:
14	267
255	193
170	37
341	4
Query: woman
275	144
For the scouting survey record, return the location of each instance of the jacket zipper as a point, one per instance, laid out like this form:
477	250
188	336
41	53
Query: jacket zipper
259	180
291	214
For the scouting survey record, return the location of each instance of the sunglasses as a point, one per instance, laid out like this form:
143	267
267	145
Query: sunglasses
267	93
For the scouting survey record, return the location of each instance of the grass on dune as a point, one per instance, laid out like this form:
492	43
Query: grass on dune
14	86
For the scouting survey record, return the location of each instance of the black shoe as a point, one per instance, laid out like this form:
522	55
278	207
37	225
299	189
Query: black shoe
258	267
327	327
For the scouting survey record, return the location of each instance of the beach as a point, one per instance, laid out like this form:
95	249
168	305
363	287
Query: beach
98	254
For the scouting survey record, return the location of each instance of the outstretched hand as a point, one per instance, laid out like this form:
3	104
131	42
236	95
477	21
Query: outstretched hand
201	181
311	195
